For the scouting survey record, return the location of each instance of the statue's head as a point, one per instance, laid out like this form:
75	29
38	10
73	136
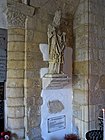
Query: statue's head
57	18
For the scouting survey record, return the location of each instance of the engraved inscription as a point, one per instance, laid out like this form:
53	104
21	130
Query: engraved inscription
56	123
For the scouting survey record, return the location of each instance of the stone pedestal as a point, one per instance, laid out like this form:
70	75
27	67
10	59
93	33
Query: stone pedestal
56	110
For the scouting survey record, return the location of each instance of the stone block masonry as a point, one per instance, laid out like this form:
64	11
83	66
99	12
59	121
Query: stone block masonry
96	61
27	28
80	69
36	29
15	68
15	82
89	64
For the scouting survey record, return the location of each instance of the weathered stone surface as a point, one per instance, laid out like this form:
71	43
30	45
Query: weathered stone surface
31	57
18	38
16	46
83	129
81	67
31	73
40	37
29	35
14	102
102	82
18	83
34	133
55	106
16	31
33	63
15	92
97	97
93	54
18	6
80	95
15	74
31	83
15	55
102	67
15	123
16	112
97	65
16	18
93	82
30	102
38	25
30	92
66	6
30	23
81	82
77	112
81	54
15	64
94	67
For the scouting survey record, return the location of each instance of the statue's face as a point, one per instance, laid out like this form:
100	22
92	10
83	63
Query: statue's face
57	18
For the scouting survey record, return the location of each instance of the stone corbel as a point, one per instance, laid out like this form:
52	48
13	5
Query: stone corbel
17	13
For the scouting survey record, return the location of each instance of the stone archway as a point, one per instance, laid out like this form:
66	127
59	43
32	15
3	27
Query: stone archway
27	29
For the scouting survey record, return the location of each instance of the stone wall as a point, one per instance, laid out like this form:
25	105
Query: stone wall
89	64
36	33
80	69
96	60
16	16
27	28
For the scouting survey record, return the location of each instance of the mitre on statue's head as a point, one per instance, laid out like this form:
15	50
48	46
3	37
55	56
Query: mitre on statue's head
57	18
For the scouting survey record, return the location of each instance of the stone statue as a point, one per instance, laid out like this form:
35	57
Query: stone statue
56	43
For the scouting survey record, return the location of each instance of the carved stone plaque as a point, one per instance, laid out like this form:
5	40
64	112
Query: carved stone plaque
56	123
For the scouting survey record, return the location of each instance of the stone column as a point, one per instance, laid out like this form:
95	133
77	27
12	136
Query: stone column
80	71
15	73
16	16
97	61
